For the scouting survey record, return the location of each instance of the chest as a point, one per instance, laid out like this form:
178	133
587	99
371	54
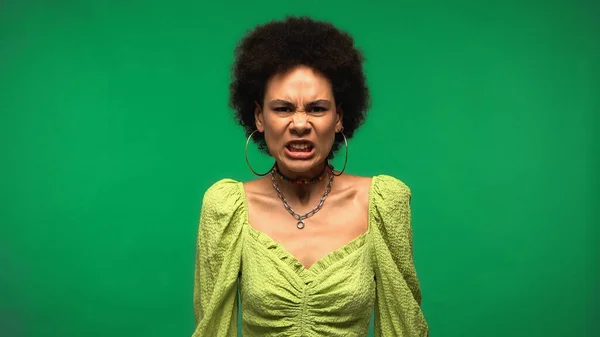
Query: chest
337	223
274	287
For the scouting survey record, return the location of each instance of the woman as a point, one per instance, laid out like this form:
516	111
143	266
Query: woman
312	250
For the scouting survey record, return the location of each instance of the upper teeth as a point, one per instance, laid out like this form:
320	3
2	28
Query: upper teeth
299	146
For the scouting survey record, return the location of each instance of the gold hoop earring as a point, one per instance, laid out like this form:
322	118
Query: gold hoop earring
248	162
345	161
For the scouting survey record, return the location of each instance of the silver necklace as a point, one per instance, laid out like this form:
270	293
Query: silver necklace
300	217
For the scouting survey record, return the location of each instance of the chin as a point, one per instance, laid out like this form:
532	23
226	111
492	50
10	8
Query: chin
300	166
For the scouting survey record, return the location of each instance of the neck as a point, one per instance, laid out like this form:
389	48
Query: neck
303	193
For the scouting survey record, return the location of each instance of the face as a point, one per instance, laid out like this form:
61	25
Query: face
299	119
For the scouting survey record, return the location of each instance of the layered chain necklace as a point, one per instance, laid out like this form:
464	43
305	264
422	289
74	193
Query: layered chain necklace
301	217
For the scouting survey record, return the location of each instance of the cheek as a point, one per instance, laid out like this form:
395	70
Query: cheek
326	140
273	126
273	136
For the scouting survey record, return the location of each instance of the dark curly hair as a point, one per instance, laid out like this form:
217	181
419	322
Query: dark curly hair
280	45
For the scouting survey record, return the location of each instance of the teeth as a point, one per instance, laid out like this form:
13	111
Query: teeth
299	146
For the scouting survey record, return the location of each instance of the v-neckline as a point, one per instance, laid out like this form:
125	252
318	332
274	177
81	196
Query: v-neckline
288	255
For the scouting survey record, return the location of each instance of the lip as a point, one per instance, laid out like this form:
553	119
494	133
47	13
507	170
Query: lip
296	141
300	155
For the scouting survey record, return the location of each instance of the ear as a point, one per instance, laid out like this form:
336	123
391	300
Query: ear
339	125
258	118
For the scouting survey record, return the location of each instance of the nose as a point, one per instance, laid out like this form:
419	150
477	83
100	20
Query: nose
300	122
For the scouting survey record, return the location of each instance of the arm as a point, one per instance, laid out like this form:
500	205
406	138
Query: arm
218	262
398	308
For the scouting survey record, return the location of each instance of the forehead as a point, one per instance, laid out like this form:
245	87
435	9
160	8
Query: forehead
300	82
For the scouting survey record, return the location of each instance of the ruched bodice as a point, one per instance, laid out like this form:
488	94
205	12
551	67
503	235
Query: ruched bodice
332	297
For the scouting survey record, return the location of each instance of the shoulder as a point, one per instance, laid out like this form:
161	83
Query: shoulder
390	205
220	188
358	183
221	218
388	184
223	196
353	187
390	192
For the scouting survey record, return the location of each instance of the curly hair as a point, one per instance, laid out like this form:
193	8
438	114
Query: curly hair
280	45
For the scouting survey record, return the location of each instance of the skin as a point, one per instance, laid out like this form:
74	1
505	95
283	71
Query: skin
299	104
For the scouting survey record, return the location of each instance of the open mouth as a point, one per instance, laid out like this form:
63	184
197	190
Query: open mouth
300	147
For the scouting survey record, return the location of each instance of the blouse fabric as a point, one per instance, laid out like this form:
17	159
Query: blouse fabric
280	297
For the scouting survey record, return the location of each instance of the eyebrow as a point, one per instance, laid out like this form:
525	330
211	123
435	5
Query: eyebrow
284	102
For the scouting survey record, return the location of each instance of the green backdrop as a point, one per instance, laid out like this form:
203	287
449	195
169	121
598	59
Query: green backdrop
114	121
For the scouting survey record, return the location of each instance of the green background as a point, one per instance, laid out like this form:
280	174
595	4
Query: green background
114	121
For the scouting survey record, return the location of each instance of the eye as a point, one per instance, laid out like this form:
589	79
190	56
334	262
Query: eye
317	110
282	109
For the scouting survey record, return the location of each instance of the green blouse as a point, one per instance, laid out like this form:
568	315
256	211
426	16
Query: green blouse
279	297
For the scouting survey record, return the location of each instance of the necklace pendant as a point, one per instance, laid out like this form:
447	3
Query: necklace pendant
300	224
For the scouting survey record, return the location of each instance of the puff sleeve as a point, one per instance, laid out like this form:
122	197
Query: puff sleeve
398	296
218	260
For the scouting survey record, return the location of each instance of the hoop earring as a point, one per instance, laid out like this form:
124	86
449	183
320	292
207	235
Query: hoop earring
248	162
345	161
